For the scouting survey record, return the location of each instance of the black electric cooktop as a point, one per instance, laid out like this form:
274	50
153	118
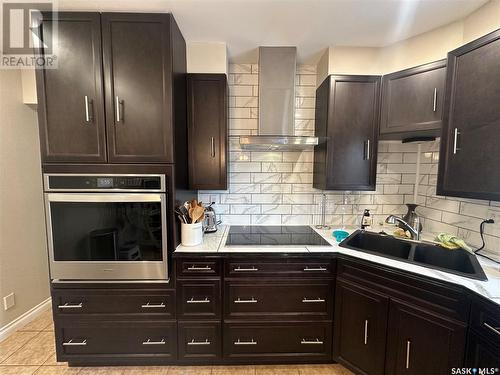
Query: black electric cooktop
243	235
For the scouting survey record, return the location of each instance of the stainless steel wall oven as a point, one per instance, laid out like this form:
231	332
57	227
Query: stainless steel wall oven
106	227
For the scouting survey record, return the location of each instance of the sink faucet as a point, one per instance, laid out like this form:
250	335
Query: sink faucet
414	231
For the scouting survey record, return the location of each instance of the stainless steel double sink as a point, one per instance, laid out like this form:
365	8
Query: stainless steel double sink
459	262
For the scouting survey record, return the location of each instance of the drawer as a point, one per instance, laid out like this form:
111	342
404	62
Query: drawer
280	268
195	267
147	303
278	340
85	339
485	319
198	299
298	300
199	341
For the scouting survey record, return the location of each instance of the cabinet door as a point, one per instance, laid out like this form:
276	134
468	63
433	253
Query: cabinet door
348	120
70	97
360	328
137	66
419	342
412	101
469	154
481	353
207	131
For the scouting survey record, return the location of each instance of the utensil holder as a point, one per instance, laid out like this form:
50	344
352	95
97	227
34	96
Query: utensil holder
191	234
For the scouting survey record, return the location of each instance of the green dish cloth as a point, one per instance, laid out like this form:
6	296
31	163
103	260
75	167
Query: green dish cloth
452	242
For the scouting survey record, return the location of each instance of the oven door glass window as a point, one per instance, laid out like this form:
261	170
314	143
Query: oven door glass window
107	231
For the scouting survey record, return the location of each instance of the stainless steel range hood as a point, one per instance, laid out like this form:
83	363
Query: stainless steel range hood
277	103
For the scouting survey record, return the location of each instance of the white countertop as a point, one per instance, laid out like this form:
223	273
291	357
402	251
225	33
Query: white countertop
214	243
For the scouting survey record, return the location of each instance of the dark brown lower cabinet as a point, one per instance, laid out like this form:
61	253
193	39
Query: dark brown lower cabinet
419	342
84	340
481	352
275	341
360	328
199	341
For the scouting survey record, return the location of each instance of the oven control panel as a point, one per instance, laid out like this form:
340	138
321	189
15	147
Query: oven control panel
72	182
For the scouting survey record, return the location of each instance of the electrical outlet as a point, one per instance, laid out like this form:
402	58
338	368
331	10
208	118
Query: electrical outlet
9	301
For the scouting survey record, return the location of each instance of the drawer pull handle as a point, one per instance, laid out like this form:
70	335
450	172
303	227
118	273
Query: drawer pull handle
239	300
71	306
315	269
251	269
75	343
311	342
491	328
366	332
196	268
149	342
193	342
192	300
239	342
154	306
408	349
316	300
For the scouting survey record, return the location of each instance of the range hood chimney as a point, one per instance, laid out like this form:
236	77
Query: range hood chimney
277	103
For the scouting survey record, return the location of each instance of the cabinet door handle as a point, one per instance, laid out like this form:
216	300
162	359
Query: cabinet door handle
192	300
118	103
195	268
491	328
251	342
149	342
311	342
366	332
194	342
408	349
154	306
315	300
212	147
68	305
434	102
456	133
315	269
239	300
367	150
251	269
75	343
88	114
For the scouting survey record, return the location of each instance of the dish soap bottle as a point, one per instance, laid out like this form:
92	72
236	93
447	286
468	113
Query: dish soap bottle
366	221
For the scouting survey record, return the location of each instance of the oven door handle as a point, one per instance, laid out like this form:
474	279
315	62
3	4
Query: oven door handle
105	197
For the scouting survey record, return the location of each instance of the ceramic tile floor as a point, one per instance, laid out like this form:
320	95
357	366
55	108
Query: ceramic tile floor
31	351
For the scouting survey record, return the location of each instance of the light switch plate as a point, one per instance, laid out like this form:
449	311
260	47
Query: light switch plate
9	301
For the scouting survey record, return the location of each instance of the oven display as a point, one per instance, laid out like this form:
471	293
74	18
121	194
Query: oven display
104	182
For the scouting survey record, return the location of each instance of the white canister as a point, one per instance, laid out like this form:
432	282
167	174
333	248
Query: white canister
191	234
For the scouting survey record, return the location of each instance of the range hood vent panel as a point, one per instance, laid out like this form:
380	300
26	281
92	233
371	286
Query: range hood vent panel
277	68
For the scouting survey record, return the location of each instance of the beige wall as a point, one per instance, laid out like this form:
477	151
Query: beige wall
482	21
23	254
420	49
206	57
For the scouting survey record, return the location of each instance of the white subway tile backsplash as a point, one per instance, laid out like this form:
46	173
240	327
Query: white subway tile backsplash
267	156
267	198
276	187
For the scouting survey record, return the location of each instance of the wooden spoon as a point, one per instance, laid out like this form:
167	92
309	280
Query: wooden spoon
198	213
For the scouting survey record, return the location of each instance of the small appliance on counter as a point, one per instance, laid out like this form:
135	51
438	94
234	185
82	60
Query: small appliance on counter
210	222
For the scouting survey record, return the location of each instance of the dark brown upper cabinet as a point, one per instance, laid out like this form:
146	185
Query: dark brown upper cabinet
470	154
207	131
140	67
70	98
347	123
412	101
